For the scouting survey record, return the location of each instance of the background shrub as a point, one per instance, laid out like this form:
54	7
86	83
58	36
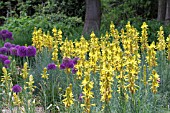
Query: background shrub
23	27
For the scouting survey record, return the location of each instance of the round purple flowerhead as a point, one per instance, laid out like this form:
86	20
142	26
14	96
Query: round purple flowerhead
51	66
3	50
17	46
7	62
16	88
75	60
22	50
12	45
67	63
4	34
74	70
3	58
8	45
13	51
31	51
80	97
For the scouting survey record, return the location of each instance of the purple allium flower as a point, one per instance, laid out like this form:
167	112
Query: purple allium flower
3	58
9	34
31	51
13	51
75	60
4	34
7	62
80	97
7	45
17	46
3	50
74	70
67	63
51	66
12	45
16	88
22	50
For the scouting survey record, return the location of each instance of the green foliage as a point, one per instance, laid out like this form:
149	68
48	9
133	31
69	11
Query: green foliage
18	8
117	10
135	11
23	27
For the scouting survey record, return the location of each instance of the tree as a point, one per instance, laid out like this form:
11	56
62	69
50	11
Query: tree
161	10
92	16
167	17
164	11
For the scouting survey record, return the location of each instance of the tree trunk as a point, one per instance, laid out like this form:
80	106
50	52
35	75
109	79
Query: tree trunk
92	17
161	10
167	18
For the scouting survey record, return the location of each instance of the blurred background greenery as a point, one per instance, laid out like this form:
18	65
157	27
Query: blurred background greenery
21	16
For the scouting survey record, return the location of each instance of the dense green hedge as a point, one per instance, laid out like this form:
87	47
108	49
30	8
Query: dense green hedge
23	27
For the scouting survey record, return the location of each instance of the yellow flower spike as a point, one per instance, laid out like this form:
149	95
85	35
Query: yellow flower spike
94	52
59	32
67	48
107	35
30	83
87	86
144	26
144	37
161	40
151	55
54	30
6	76
154	79
37	39
59	36
24	73
16	100
168	47
92	34
68	100
45	75
132	70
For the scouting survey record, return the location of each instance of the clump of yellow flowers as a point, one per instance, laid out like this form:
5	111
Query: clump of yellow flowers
116	55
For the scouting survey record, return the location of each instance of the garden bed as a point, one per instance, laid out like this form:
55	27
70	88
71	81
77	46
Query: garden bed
14	110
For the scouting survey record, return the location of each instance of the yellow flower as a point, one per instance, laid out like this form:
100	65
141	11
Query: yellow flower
168	47
6	76
144	37
45	75
161	40
30	83
68	100
25	71
16	100
151	56
154	79
87	93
